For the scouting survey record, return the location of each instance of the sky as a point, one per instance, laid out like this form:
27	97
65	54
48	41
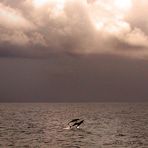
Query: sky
73	50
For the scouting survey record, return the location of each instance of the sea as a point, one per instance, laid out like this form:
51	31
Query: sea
42	125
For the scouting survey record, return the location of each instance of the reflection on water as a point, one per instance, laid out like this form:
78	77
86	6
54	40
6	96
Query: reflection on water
107	125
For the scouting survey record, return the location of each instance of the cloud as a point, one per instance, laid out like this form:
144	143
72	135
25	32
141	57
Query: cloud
12	19
74	26
17	37
137	16
137	38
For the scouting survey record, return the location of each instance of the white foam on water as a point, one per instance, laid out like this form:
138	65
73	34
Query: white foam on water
68	127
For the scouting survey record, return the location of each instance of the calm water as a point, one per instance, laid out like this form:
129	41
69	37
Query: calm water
107	125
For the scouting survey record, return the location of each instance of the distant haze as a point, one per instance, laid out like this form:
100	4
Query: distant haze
73	50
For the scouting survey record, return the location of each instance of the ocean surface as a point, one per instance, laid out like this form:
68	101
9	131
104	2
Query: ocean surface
107	125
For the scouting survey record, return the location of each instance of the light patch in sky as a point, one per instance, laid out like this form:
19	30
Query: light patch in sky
58	7
39	3
123	4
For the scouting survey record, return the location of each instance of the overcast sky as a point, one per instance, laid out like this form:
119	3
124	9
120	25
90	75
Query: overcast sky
73	50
